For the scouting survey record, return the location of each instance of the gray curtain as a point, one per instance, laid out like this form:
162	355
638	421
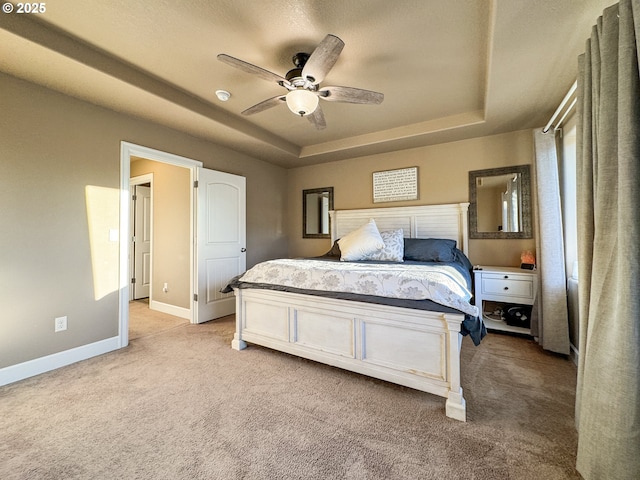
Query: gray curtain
550	318
608	180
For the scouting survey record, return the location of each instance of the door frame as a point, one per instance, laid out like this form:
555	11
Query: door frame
128	150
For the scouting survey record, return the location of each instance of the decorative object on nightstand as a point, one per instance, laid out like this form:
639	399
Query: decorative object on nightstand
514	287
527	260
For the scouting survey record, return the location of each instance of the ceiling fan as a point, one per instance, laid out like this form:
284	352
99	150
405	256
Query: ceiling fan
303	83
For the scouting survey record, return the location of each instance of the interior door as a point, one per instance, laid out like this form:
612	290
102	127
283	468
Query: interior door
220	241
141	242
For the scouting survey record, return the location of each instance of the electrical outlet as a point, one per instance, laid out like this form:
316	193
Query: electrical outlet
60	324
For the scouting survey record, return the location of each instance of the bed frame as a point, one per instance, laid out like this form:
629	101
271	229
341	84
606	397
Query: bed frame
415	348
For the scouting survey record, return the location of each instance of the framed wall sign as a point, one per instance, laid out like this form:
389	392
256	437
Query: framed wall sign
395	185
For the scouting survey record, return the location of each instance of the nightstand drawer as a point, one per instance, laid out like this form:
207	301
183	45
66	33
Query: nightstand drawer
507	287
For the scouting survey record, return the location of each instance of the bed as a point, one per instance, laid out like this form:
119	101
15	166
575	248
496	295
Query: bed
415	343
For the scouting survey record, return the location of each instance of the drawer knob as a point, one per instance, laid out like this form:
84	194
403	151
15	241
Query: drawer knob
506	276
506	288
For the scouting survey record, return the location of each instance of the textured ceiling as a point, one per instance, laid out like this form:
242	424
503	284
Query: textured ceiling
449	69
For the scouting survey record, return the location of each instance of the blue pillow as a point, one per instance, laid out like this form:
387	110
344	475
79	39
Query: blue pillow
429	249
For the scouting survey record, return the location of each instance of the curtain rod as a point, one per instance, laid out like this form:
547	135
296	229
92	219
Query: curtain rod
561	106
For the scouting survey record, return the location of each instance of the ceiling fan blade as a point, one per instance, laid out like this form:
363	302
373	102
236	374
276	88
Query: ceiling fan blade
265	105
317	119
250	68
350	95
322	59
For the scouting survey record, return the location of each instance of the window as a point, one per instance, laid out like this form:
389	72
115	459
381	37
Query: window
567	170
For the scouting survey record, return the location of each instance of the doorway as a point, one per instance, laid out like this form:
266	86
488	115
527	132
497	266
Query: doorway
128	153
216	204
170	222
143	319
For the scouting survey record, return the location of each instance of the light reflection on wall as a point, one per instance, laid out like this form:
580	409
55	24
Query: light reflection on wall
103	220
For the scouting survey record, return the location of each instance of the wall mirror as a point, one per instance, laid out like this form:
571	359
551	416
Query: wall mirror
500	203
316	203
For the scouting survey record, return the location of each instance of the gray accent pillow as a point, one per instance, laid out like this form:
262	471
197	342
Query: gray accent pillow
393	250
335	250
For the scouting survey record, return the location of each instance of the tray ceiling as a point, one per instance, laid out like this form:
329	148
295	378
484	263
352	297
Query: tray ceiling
449	70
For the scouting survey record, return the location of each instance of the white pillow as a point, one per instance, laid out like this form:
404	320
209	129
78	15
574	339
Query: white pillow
361	242
393	250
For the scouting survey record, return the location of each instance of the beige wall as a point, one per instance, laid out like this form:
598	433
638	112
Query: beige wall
171	231
59	181
443	172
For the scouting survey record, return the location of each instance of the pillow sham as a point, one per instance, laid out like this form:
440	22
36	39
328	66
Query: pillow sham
462	259
429	249
361	242
393	250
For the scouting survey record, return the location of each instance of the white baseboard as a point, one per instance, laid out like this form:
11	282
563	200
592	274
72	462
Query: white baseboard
40	365
170	309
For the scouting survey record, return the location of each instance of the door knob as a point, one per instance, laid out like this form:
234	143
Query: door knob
243	249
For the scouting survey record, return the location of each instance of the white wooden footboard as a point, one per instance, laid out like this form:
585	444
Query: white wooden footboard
415	348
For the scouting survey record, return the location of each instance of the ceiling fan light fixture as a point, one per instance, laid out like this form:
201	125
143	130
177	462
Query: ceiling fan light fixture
302	102
303	83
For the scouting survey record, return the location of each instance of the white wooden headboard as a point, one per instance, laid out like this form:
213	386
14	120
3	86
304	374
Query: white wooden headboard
424	221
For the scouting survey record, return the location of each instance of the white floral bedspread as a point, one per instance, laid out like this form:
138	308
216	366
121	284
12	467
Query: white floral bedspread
441	284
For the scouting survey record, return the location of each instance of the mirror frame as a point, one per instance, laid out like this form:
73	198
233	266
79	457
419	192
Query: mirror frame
527	231
304	211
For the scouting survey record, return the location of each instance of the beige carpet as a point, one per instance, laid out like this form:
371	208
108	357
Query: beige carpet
181	404
144	322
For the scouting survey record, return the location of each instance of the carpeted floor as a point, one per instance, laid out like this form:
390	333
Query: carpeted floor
144	322
179	403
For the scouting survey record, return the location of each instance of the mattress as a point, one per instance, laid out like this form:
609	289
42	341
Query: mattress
270	276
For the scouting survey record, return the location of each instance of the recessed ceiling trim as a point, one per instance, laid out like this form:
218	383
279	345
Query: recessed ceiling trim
393	134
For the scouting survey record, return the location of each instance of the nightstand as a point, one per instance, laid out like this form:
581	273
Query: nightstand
513	286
